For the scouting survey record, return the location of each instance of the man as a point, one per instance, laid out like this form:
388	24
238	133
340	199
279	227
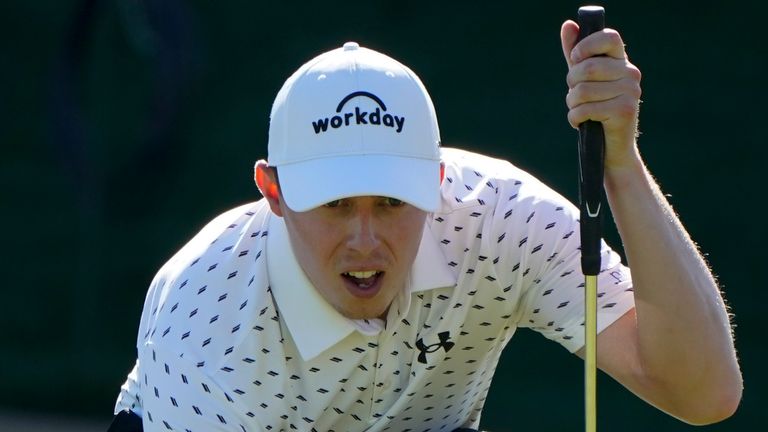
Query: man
376	284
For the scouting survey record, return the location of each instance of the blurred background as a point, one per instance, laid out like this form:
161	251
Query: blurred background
127	124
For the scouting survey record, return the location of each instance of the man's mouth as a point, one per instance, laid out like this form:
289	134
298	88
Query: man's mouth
363	279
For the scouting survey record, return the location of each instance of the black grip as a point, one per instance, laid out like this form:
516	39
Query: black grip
591	163
591	20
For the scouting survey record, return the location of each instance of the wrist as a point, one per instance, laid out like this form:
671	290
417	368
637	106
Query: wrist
622	173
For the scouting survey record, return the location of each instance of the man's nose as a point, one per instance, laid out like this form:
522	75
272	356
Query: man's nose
364	236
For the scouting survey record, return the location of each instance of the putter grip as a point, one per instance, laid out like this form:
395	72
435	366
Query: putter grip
591	163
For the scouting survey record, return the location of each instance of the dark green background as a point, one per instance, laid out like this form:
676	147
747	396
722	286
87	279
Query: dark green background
126	125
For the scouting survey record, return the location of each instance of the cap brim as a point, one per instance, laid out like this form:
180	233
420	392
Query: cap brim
312	183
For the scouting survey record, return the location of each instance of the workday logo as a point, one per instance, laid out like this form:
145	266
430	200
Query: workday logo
377	117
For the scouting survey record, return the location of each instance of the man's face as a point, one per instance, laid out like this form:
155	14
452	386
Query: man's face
357	252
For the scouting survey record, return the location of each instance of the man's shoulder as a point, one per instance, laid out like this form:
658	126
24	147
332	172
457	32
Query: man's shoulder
227	226
209	286
475	179
250	213
478	190
471	167
457	157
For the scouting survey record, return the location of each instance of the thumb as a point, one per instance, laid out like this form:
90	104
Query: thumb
569	32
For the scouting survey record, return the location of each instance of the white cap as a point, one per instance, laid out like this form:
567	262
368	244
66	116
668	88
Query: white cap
354	122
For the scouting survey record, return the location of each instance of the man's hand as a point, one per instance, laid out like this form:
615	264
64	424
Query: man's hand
603	86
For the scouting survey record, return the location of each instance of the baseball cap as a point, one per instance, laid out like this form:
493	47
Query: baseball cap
355	122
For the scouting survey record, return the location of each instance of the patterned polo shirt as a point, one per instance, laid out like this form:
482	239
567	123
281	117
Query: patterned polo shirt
234	337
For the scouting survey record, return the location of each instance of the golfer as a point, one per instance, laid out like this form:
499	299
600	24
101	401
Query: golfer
376	284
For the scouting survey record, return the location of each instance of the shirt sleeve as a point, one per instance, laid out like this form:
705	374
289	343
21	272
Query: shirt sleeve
171	387
546	244
554	307
130	392
179	395
129	398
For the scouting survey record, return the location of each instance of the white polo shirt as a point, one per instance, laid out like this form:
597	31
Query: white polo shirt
234	337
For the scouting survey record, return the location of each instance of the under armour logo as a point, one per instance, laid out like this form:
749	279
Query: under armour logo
444	343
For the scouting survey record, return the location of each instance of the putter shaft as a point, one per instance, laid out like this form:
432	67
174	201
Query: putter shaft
590	359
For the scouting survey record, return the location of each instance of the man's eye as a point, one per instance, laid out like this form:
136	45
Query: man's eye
394	202
333	204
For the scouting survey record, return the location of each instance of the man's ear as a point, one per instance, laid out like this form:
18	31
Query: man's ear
265	177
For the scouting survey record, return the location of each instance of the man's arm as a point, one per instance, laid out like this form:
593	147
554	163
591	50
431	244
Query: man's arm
675	349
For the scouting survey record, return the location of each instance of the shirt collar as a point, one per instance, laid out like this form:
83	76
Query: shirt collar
313	323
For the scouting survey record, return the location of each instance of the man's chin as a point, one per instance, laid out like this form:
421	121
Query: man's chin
364	313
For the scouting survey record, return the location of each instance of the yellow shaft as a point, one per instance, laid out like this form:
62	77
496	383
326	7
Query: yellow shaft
590	361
